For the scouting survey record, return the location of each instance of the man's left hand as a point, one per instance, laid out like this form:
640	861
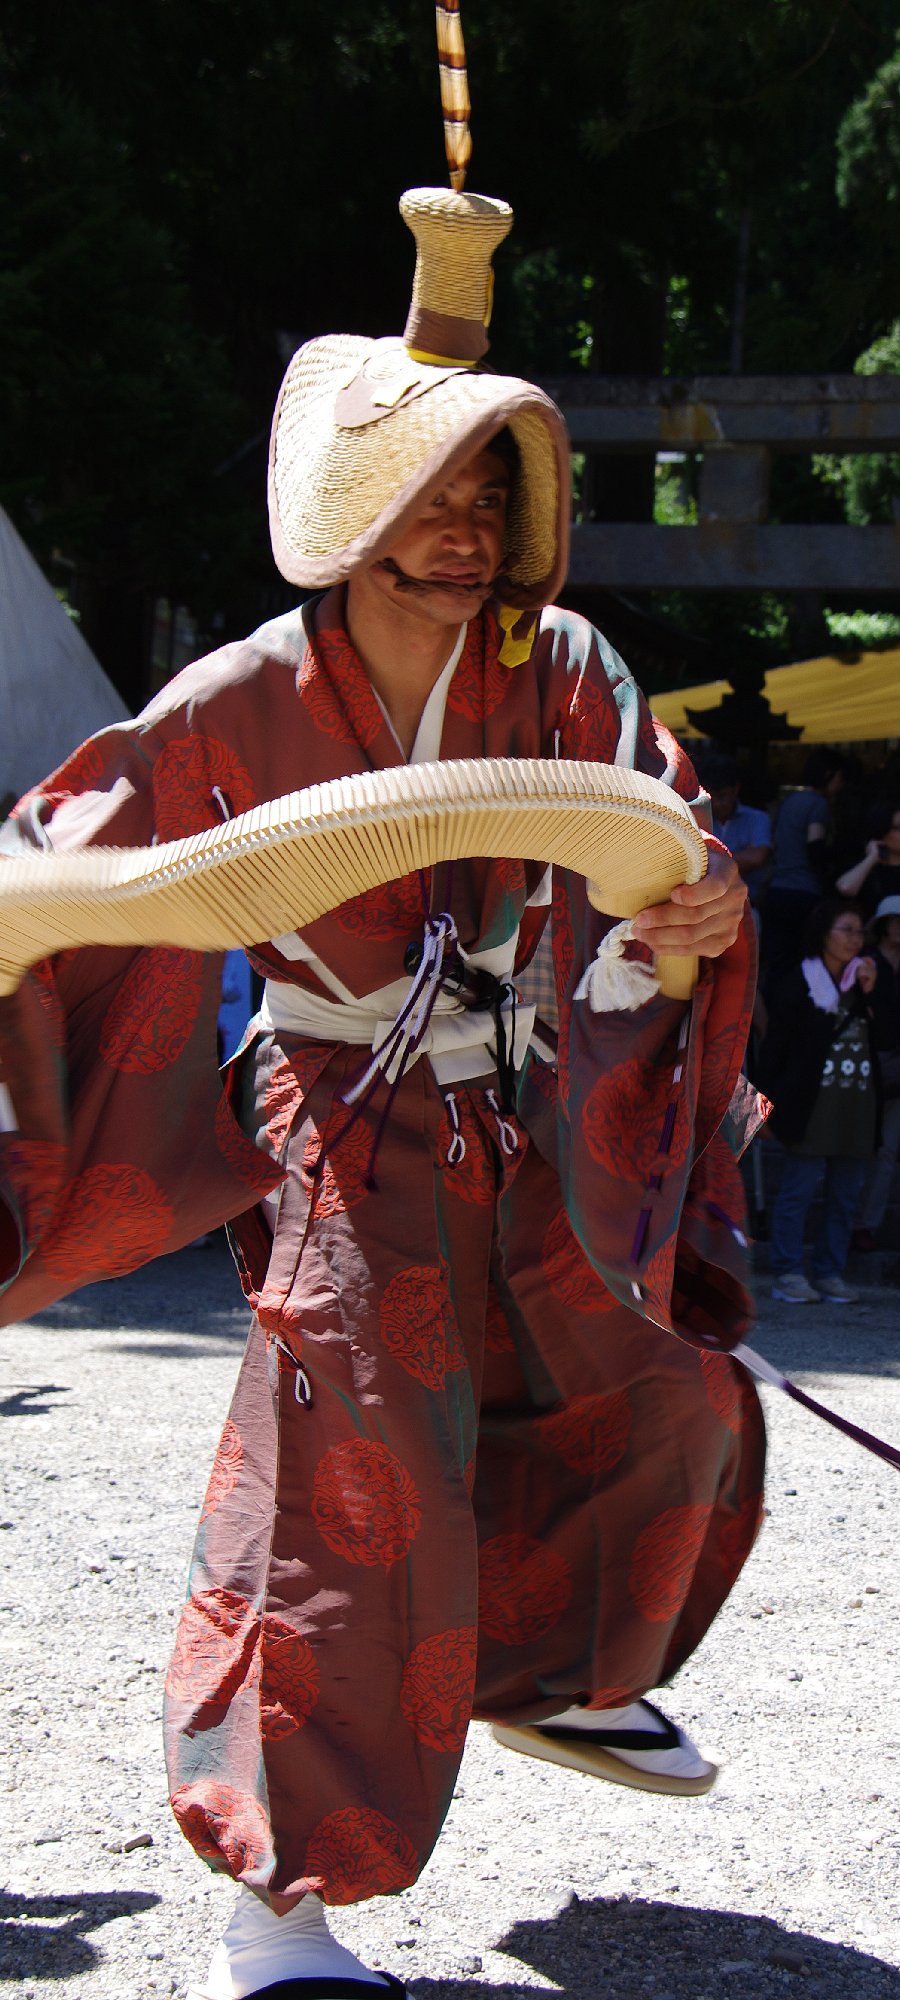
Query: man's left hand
701	919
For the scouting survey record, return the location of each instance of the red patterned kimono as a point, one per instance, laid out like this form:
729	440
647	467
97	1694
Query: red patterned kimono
468	1468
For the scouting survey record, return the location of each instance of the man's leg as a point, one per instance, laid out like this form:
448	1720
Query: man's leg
618	1488
800	1177
322	1683
843	1186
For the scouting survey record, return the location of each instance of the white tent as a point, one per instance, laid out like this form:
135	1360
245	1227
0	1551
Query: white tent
53	692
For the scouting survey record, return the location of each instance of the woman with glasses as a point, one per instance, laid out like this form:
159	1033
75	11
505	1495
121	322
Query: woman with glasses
818	1065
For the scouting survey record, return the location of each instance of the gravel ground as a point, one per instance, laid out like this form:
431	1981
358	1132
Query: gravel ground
786	1878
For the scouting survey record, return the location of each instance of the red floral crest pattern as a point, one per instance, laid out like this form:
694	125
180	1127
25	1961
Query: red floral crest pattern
359	1852
214	1645
473	1178
663	1561
721	1064
184	775
437	1688
81	772
35	1169
659	1278
226	1470
511	876
722	1387
624	1113
337	1179
289	1678
51	1005
153	1013
524	1588
591	728
86	765
365	1503
591	1432
418	1325
337	693
113	1218
561	932
246	1161
567	1270
479	683
395	910
286	1087
227	1828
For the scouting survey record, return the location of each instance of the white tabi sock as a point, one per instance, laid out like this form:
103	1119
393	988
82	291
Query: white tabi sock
684	1761
259	1948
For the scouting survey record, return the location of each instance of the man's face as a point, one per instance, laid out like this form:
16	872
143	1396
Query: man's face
453	551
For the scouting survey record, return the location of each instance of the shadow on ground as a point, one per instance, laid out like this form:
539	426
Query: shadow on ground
194	1293
48	1937
839	1340
629	1950
619	1950
30	1399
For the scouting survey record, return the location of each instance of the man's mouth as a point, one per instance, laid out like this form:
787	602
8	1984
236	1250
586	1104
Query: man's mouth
461	579
469	580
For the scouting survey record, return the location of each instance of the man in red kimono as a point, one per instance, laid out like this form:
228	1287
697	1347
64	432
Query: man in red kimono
468	1470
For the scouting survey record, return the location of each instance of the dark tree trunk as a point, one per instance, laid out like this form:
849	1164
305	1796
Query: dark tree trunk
628	339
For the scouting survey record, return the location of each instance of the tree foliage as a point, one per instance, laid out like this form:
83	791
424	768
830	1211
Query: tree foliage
189	188
868	182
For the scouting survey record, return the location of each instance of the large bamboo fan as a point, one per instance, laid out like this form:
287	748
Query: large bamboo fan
282	865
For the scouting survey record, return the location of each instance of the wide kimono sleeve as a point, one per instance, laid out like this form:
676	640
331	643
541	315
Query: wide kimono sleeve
652	1111
118	1140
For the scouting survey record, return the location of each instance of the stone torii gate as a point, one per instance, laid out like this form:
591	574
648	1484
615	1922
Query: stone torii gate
738	424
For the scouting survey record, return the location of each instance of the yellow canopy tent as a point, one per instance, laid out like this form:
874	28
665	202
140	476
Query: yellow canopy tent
833	701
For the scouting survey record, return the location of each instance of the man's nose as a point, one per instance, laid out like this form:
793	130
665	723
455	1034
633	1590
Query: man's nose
461	527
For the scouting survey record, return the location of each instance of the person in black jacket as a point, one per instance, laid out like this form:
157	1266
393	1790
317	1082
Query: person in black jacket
884	934
819	1065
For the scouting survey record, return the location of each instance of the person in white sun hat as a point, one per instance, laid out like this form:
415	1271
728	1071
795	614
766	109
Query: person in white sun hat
468	1469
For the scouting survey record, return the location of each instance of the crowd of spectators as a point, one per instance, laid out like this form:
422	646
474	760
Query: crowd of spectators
822	870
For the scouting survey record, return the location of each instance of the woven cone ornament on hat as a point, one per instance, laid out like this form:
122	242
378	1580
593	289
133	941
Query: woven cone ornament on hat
366	431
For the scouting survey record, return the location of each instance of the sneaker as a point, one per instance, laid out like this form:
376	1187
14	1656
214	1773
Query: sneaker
796	1290
837	1291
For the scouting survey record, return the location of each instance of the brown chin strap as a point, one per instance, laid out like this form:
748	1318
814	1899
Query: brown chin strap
417	583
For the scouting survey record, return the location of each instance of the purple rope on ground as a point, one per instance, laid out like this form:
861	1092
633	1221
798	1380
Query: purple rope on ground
888	1452
758	1365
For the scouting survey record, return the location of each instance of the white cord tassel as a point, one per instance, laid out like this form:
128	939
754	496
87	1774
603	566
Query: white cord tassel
614	983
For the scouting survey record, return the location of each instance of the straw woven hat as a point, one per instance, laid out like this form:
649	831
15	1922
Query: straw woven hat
364	430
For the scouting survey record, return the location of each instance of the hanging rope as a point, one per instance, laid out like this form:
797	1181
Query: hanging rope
454	91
